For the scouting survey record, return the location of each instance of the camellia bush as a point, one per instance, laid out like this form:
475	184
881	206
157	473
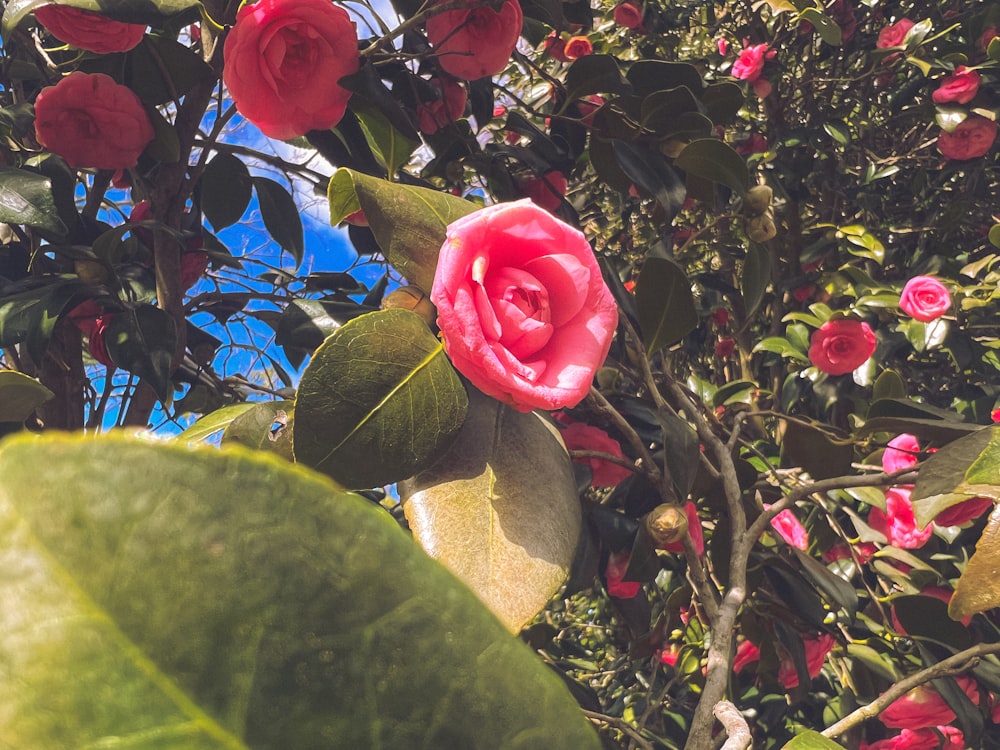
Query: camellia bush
652	405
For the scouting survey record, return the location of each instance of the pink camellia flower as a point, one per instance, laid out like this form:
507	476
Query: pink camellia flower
284	59
445	109
476	41
577	47
628	14
583	437
723	46
925	299
750	62
791	529
587	106
694	529
842	345
964	511
864	551
522	307
894	34
91	121
972	138
960	86
546	191
901	453
816	650
924	707
555	47
613	574
921	739
89	31
897	521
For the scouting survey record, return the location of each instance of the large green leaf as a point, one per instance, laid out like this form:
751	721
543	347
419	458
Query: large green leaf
281	217
20	395
966	468
810	740
26	198
157	596
666	306
500	510
979	587
378	402
134	11
143	341
714	160
409	222
262	428
226	189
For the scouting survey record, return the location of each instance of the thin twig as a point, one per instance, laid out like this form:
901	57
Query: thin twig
620	724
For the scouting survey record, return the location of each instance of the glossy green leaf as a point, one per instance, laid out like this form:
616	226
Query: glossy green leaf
979	587
409	222
826	27
650	76
378	402
650	171
593	74
30	310
214	422
888	385
143	341
305	323
226	189
756	276
26	198
666	306
966	468
20	395
161	70
927	617
147	12
811	740
722	101
500	510
392	148
815	450
205	599
281	216
714	160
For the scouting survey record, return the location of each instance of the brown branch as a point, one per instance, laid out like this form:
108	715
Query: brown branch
735	725
619	724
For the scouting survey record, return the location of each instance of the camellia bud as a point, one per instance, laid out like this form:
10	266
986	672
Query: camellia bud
414	299
758	199
666	523
761	228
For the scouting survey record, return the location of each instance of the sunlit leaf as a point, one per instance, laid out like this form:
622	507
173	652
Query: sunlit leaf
20	395
378	402
214	422
26	198
210	600
811	740
826	27
500	510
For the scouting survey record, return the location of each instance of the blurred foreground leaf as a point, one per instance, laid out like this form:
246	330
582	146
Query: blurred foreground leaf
500	510
378	402
979	587
20	395
180	598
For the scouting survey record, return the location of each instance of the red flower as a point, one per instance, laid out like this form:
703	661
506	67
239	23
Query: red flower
750	62
547	191
894	34
841	346
613	574
972	138
804	292
755	144
587	106
445	109
964	511
97	345
578	46
284	59
924	299
91	121
746	653
89	31
924	707
724	347
995	416
960	86
583	437
193	265
694	529
921	739
864	551
720	316
816	650
555	47
476	41
898	523
628	14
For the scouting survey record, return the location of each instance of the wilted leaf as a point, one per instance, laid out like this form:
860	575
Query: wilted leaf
202	599
409	222
500	510
20	395
378	402
666	306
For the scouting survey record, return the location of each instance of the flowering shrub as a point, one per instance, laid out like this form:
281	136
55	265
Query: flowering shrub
91	121
276	52
526	325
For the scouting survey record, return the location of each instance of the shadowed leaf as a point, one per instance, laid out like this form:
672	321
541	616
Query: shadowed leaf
666	306
20	395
